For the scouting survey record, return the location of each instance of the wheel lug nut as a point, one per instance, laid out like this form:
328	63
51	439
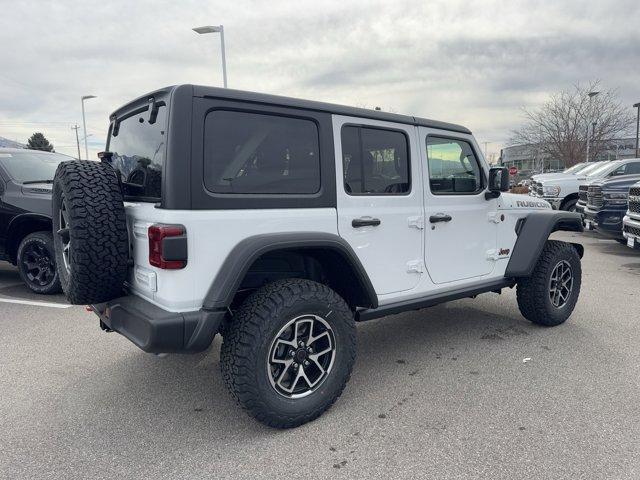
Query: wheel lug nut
295	365
306	363
292	353
301	344
309	350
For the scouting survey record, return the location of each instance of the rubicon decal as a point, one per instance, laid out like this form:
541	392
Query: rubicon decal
532	204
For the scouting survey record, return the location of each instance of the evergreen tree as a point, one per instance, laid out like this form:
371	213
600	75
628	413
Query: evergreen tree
38	141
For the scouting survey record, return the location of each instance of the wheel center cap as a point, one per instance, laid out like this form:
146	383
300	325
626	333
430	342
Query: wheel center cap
301	355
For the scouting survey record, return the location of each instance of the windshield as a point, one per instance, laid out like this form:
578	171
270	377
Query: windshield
575	168
31	165
138	149
603	168
589	168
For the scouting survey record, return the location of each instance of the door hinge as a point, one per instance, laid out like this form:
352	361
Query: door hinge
494	217
415	266
492	255
416	222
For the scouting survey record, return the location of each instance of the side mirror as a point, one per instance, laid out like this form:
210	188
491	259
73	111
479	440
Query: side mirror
498	182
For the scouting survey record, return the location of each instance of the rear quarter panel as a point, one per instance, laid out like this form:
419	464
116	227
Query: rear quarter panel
211	235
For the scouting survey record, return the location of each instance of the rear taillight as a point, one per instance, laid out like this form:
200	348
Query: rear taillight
167	246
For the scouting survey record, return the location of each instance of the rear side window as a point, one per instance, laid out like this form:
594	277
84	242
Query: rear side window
260	153
138	152
453	167
375	161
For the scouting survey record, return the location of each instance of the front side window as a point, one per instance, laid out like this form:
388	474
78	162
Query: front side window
137	149
375	161
453	166
631	168
260	154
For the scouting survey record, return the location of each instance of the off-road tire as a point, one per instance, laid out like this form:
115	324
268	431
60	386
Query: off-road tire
570	205
44	240
245	350
97	232
533	292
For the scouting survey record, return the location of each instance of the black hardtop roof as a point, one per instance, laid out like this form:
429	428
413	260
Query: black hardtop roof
267	99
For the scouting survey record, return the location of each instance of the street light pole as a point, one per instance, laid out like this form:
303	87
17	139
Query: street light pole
214	29
76	128
591	95
84	125
637	105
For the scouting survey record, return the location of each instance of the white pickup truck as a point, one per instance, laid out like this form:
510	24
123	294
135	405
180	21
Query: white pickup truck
562	192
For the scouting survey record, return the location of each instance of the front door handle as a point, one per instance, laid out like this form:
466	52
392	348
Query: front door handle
440	217
365	222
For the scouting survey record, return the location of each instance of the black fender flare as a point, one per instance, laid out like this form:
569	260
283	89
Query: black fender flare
15	223
533	232
245	253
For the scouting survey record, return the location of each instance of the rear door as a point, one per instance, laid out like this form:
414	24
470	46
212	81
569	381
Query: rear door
379	199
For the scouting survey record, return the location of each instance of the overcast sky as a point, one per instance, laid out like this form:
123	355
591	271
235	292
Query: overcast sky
475	63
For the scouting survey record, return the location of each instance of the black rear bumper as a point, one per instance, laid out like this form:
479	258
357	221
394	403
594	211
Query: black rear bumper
156	330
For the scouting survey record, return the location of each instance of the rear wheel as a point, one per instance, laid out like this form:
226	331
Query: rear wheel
549	295
288	353
36	263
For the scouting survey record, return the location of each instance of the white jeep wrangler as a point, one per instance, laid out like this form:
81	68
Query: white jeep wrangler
279	223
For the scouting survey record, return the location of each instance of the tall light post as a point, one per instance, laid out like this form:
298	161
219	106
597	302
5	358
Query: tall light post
215	29
84	125
637	105
591	95
76	127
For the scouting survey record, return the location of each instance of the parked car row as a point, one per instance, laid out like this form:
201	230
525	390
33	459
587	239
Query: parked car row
606	194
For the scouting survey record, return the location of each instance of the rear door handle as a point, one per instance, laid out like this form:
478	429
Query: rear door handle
440	217
365	222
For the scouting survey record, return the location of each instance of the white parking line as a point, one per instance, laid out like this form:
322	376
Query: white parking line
37	304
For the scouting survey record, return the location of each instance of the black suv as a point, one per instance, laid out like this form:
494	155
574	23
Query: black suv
25	215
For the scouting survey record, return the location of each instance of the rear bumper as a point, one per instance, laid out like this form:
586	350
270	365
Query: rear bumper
155	330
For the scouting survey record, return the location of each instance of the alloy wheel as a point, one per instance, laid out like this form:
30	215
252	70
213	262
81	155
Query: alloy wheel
65	237
38	264
560	284
301	356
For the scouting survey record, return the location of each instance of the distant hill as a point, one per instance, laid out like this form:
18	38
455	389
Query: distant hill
6	143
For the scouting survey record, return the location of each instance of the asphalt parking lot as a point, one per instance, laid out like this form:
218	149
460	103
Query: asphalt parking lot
442	393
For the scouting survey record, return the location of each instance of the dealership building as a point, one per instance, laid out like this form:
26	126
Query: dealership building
529	160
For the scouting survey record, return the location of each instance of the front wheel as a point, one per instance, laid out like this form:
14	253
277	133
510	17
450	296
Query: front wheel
549	295
288	352
570	206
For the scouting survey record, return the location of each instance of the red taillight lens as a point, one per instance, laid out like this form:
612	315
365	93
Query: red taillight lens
171	256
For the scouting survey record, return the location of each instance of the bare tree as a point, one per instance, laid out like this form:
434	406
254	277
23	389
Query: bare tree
558	128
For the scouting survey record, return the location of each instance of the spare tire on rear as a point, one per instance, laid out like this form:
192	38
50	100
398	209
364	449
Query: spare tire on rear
90	232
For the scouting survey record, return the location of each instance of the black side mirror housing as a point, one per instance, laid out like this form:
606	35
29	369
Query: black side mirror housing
498	182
